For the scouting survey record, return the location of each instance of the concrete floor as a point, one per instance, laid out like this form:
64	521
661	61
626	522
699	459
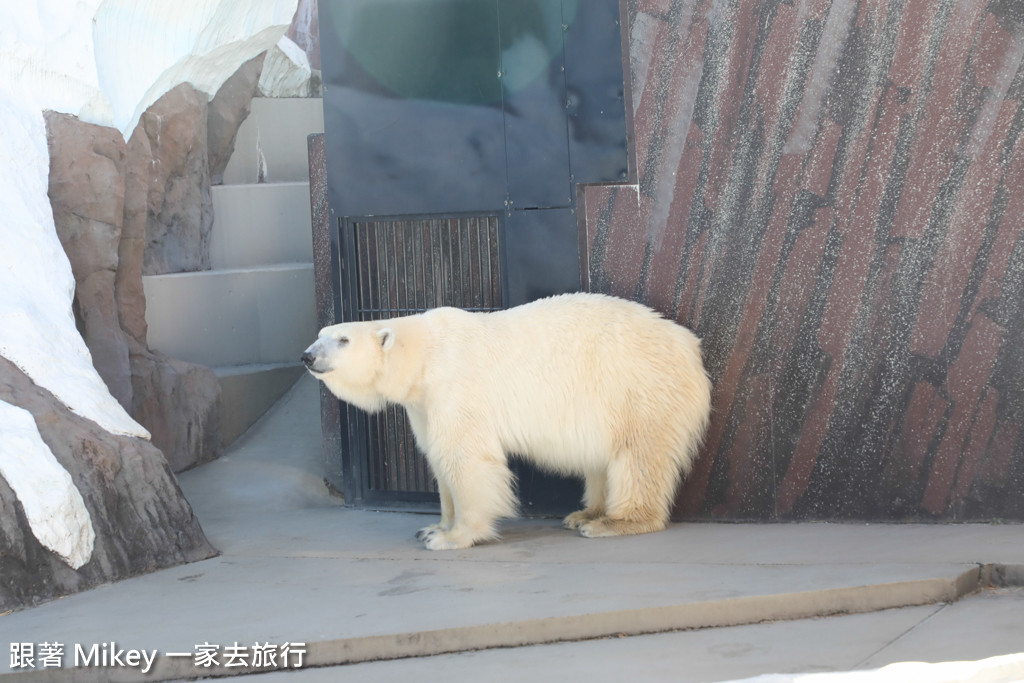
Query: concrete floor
355	586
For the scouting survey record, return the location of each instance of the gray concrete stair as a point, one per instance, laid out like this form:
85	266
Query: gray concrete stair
237	316
250	317
261	224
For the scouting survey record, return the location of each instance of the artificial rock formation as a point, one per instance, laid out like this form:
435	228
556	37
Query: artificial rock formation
103	192
122	210
140	518
87	191
228	109
180	204
178	402
107	196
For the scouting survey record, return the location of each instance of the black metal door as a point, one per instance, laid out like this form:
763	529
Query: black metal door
407	265
456	132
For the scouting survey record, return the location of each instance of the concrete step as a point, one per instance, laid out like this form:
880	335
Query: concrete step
278	128
248	391
236	316
261	224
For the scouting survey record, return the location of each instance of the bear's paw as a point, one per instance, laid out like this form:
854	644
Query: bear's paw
439	539
606	526
421	535
579	518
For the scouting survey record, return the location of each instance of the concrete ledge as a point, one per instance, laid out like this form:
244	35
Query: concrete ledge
713	614
632	622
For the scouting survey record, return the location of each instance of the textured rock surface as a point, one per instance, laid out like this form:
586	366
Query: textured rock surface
305	31
131	299
142	521
180	205
228	108
178	403
103	192
87	196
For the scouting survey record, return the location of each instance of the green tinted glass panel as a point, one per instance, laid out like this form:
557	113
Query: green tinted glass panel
445	50
457	51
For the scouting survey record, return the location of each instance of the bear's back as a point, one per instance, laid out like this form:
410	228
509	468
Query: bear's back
597	333
592	339
567	373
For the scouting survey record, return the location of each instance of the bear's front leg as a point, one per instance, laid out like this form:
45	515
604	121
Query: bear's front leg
447	513
480	487
595	489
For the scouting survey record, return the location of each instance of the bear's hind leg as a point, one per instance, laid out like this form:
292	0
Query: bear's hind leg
639	497
595	488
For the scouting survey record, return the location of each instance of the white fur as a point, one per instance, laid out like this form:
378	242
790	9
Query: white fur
580	384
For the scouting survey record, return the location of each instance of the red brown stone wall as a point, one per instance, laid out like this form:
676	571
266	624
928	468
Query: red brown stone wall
831	193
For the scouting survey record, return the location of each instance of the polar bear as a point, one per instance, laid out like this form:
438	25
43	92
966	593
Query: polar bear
579	384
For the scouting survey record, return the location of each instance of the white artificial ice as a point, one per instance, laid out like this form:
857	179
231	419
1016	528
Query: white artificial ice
106	62
52	504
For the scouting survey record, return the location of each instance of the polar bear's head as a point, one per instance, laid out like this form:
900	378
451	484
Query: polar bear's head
350	359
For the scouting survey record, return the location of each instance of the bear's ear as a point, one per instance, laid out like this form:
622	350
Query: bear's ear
386	337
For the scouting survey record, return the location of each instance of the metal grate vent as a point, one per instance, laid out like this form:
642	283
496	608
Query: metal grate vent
406	266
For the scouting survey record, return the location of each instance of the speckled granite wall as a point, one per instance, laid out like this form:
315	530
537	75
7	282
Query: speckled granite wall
832	195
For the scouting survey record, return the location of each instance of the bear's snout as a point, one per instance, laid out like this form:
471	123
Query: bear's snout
312	358
317	358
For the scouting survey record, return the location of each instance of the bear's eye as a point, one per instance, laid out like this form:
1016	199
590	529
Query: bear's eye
342	341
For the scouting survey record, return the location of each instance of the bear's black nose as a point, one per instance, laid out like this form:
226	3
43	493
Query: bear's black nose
308	359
